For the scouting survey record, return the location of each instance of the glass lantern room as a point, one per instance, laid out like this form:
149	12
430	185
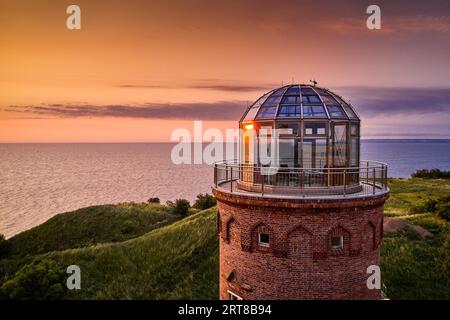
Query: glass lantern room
317	129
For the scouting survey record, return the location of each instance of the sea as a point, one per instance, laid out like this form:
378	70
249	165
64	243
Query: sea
38	181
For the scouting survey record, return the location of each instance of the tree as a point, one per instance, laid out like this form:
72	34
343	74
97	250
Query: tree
180	207
41	279
5	247
204	201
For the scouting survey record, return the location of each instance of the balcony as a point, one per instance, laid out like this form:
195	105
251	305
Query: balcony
370	178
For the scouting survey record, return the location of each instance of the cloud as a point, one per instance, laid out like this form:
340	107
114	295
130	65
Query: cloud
390	26
368	101
222	110
374	101
207	84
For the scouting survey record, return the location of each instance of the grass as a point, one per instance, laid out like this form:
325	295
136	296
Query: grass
407	193
179	261
141	251
413	268
92	225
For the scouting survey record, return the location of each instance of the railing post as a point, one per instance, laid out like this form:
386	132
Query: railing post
373	185
231	180
367	172
215	174
262	184
345	182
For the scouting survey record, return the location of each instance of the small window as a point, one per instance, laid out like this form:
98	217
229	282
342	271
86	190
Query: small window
287	128
315	129
337	242
264	239
233	296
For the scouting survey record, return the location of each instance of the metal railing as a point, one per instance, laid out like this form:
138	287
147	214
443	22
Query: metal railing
369	178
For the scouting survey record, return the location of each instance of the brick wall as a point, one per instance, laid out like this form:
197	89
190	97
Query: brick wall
300	262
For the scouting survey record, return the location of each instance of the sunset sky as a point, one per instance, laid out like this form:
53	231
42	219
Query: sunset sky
137	70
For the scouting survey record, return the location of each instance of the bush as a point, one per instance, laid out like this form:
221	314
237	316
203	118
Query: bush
443	208
154	200
5	247
204	201
431	174
41	279
440	206
180	207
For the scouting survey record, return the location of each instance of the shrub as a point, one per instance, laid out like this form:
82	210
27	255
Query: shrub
443	208
431	174
5	247
439	206
180	207
41	279
154	200
204	201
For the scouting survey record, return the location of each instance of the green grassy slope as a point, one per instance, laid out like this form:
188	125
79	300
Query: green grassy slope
406	193
179	261
92	225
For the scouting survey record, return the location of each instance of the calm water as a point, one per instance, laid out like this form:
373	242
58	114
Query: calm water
38	181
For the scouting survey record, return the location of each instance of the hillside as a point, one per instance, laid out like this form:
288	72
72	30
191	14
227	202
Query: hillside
179	260
92	225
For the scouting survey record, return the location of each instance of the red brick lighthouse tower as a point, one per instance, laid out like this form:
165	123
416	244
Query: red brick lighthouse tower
308	225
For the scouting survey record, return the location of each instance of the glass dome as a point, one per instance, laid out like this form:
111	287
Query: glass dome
317	128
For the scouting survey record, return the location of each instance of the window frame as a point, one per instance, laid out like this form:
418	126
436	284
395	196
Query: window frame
263	244
232	294
341	242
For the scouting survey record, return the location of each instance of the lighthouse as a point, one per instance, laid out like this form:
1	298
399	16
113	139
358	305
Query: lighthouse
300	215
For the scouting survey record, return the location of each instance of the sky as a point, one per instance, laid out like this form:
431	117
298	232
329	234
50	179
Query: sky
137	70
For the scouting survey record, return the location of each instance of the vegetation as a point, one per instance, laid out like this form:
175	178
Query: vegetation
42	279
408	193
145	251
440	206
415	268
431	174
5	247
154	200
179	207
92	225
204	201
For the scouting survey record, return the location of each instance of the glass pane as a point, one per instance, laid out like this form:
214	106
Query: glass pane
329	100
354	130
314	153
290	100
287	153
315	111
315	128
272	101
350	112
288	128
340	144
289	111
251	114
307	90
354	151
311	99
266	112
279	92
336	112
293	91
347	108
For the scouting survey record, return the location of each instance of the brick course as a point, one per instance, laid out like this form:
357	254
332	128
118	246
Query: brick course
299	263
